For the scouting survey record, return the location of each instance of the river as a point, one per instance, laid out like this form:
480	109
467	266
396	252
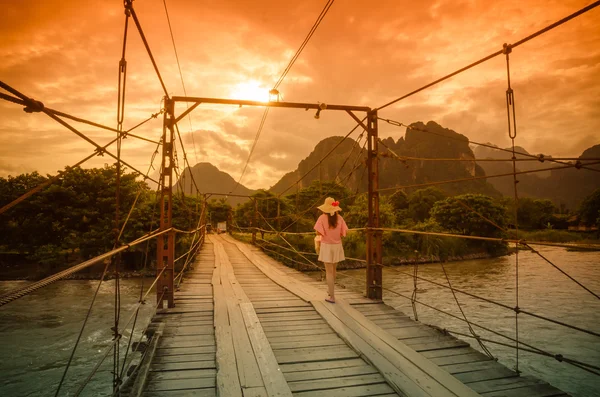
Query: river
37	332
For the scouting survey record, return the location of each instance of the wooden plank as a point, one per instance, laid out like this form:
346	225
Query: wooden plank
528	391
182	393
178	343
472	366
176	351
313	342
247	366
142	376
193	373
323	330
313	354
228	383
293	326
330	373
470	357
275	383
421	370
184	357
453	351
255	392
181	384
180	366
503	384
320	366
330	337
334	383
357	391
400	381
485	374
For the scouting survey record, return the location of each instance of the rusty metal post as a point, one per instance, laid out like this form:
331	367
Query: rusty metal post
278	214
166	243
374	242
255	222
203	218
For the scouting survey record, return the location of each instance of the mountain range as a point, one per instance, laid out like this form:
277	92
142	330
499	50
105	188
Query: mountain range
407	163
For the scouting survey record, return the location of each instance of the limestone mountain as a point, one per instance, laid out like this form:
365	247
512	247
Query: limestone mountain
211	180
565	187
349	157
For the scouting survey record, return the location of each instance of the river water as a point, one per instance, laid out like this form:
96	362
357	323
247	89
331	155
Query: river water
37	332
542	290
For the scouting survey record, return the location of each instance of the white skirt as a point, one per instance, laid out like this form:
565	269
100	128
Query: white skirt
331	253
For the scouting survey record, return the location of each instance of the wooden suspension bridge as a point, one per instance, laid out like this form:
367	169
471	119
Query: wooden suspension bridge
242	324
245	325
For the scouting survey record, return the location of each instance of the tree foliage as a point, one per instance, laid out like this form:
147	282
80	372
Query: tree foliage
589	210
422	201
76	214
459	214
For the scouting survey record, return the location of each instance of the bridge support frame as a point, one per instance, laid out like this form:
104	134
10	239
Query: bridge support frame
374	237
165	244
374	240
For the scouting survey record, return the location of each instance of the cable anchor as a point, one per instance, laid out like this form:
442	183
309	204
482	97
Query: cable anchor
33	106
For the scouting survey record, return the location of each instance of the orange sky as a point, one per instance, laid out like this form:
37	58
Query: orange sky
66	53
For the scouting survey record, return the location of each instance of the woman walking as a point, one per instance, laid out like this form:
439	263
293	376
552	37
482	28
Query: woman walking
331	227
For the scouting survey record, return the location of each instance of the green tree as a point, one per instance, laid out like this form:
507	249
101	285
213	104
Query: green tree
457	214
421	202
218	211
589	209
267	204
357	215
312	196
535	213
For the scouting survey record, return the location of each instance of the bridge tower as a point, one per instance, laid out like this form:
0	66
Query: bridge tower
374	241
165	243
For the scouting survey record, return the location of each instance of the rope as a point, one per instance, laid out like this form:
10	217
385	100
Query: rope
493	55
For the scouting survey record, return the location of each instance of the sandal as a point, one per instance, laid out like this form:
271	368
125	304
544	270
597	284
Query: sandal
330	300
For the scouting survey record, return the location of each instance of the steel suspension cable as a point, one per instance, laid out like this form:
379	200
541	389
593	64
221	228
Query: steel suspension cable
129	6
181	76
313	29
481	345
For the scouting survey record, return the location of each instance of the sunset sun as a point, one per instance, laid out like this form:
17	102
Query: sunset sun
250	90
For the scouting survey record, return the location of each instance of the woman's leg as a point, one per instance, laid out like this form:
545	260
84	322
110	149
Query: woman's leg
330	276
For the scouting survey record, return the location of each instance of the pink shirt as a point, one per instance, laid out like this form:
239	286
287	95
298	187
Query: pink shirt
331	236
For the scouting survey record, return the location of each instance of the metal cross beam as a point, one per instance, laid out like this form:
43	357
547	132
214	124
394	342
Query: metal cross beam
274	104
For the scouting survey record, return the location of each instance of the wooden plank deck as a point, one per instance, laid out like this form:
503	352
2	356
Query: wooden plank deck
245	325
184	363
472	368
